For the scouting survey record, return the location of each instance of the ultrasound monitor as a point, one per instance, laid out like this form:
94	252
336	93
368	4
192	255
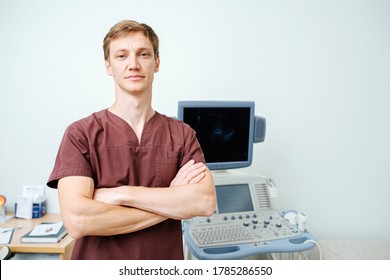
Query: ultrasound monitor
234	198
225	131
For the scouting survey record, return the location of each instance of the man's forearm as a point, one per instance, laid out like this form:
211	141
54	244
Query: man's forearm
191	193
178	202
82	215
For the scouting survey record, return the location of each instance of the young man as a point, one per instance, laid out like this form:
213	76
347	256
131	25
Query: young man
127	175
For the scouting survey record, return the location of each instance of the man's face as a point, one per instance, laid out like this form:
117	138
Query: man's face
132	63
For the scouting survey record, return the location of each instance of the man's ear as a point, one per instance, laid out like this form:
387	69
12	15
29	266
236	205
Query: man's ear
108	68
157	65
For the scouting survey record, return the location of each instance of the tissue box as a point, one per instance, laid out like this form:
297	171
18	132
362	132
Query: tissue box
38	209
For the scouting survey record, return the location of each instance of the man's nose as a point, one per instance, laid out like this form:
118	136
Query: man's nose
133	63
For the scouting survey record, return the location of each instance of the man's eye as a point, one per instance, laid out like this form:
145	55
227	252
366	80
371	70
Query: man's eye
121	56
144	54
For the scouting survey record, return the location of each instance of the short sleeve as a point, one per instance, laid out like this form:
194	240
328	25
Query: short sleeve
192	148
72	157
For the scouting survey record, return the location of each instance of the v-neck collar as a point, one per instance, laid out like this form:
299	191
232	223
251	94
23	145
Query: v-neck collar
122	124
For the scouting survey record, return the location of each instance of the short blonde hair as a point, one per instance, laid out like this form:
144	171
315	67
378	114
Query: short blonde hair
124	28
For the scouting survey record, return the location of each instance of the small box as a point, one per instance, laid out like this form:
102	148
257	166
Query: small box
33	196
38	209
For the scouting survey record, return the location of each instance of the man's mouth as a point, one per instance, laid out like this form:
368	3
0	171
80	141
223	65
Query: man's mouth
134	77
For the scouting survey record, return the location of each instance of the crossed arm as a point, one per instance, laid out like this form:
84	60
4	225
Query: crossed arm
124	209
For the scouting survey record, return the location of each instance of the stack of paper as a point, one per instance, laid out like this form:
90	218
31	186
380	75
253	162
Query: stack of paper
6	235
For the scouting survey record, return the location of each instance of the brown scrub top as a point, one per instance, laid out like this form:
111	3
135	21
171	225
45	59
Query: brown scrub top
104	147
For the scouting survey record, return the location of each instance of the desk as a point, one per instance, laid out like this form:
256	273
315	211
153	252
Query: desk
22	226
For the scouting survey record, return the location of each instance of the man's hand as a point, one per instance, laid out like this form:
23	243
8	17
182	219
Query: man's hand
109	195
189	173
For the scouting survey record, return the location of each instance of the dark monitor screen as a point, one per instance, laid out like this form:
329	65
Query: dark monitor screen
233	198
224	131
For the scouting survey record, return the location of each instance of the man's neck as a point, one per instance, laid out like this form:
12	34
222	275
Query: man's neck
136	110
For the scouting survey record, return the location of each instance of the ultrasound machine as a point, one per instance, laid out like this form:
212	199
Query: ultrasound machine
246	221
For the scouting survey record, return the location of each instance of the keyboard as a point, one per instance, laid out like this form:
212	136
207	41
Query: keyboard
221	230
215	236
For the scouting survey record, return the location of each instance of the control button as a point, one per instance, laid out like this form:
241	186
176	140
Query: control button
208	220
261	237
247	216
278	225
270	217
246	224
254	215
233	217
225	218
254	221
266	222
240	217
254	226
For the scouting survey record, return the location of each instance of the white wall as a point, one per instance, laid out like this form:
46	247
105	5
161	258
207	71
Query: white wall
317	70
